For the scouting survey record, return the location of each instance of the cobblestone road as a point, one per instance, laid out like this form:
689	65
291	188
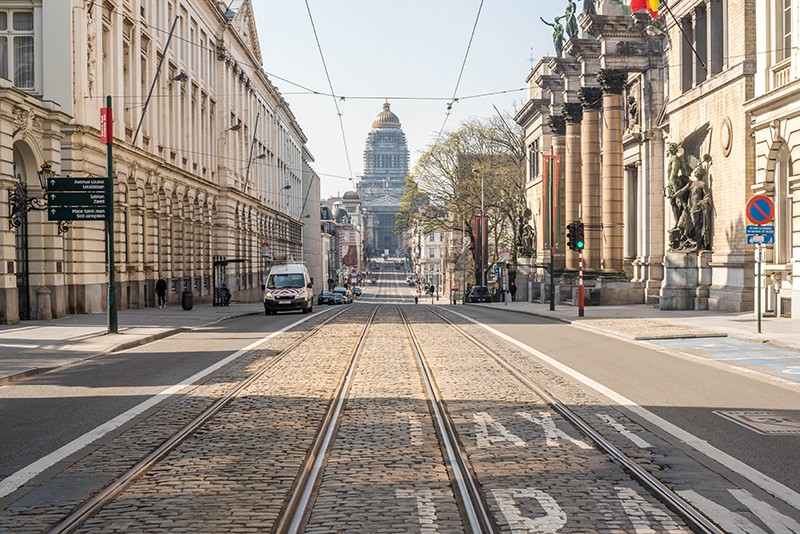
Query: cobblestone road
385	472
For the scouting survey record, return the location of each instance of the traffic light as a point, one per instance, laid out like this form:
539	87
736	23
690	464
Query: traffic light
571	233
575	239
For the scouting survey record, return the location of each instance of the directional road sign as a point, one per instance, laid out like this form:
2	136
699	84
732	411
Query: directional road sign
764	239
76	213
759	230
72	198
76	184
760	210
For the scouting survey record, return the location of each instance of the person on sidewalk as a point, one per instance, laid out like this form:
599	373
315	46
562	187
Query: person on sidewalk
161	291
513	291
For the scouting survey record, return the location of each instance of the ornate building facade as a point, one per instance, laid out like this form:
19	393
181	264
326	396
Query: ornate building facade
208	160
381	186
653	121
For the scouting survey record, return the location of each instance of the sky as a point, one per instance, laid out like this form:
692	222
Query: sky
408	52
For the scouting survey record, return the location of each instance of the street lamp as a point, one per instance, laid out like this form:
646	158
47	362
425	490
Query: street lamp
483	240
21	203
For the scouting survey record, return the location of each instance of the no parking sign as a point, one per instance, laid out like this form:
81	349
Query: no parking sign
760	210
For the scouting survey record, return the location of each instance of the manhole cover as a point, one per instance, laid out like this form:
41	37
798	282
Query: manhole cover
768	423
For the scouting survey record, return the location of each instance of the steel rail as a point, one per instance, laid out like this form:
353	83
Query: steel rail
300	497
466	487
691	515
92	506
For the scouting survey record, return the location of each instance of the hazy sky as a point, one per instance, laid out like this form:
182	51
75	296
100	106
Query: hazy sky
397	50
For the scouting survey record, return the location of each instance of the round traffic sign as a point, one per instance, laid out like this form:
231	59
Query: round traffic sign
760	210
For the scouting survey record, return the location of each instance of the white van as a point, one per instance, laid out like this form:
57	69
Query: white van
288	287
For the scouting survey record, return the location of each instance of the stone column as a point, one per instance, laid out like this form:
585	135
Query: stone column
573	113
613	83
558	127
591	196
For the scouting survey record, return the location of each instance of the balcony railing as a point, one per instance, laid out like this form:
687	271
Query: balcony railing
781	73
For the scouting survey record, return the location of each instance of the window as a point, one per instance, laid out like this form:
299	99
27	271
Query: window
783	209
17	47
783	30
533	160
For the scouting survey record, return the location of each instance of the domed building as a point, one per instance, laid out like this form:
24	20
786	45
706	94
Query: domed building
381	186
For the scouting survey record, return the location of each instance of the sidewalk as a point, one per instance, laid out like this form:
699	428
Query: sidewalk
646	322
731	338
37	346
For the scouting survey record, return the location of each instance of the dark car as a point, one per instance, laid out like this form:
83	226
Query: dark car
338	298
326	297
479	294
357	291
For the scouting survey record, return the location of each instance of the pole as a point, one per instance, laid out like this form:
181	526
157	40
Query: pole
484	240
552	230
112	324
758	285
580	283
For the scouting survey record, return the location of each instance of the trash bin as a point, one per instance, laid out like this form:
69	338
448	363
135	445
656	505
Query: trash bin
186	300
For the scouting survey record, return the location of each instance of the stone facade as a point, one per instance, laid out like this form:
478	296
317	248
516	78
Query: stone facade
776	131
207	157
598	101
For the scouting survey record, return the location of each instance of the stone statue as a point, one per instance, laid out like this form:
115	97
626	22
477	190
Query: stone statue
588	7
558	34
695	224
572	24
689	192
526	236
677	177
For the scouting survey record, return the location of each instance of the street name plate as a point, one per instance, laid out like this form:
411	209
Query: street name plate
76	184
72	198
760	239
759	230
76	213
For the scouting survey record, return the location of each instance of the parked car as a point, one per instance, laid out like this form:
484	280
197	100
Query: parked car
479	294
344	293
326	297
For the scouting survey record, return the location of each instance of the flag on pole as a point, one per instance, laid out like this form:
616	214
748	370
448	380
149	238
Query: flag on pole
648	5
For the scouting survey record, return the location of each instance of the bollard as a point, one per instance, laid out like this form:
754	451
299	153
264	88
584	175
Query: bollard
186	300
44	310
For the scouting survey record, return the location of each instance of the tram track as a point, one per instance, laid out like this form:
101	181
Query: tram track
356	452
89	508
695	519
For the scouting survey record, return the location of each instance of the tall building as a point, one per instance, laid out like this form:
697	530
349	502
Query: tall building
208	175
381	186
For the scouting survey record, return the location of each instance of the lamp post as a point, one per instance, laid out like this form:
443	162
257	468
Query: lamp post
481	232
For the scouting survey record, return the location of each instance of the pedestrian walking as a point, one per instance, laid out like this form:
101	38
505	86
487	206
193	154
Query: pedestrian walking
513	291
161	291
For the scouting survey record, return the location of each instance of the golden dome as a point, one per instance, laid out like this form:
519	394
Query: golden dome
386	119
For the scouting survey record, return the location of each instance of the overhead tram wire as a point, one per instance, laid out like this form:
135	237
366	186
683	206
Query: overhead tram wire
333	93
453	100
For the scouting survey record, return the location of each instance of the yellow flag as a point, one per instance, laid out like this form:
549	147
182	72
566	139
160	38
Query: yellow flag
654	7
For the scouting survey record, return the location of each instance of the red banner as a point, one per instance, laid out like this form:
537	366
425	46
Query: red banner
106	126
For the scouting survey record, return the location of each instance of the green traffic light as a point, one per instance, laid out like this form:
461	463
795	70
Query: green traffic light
579	245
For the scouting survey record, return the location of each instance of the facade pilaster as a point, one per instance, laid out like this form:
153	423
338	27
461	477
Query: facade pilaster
573	113
612	83
557	125
591	197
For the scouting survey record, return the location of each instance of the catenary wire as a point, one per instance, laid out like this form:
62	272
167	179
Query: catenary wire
330	84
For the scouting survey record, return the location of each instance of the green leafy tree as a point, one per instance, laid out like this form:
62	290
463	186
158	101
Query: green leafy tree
450	172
